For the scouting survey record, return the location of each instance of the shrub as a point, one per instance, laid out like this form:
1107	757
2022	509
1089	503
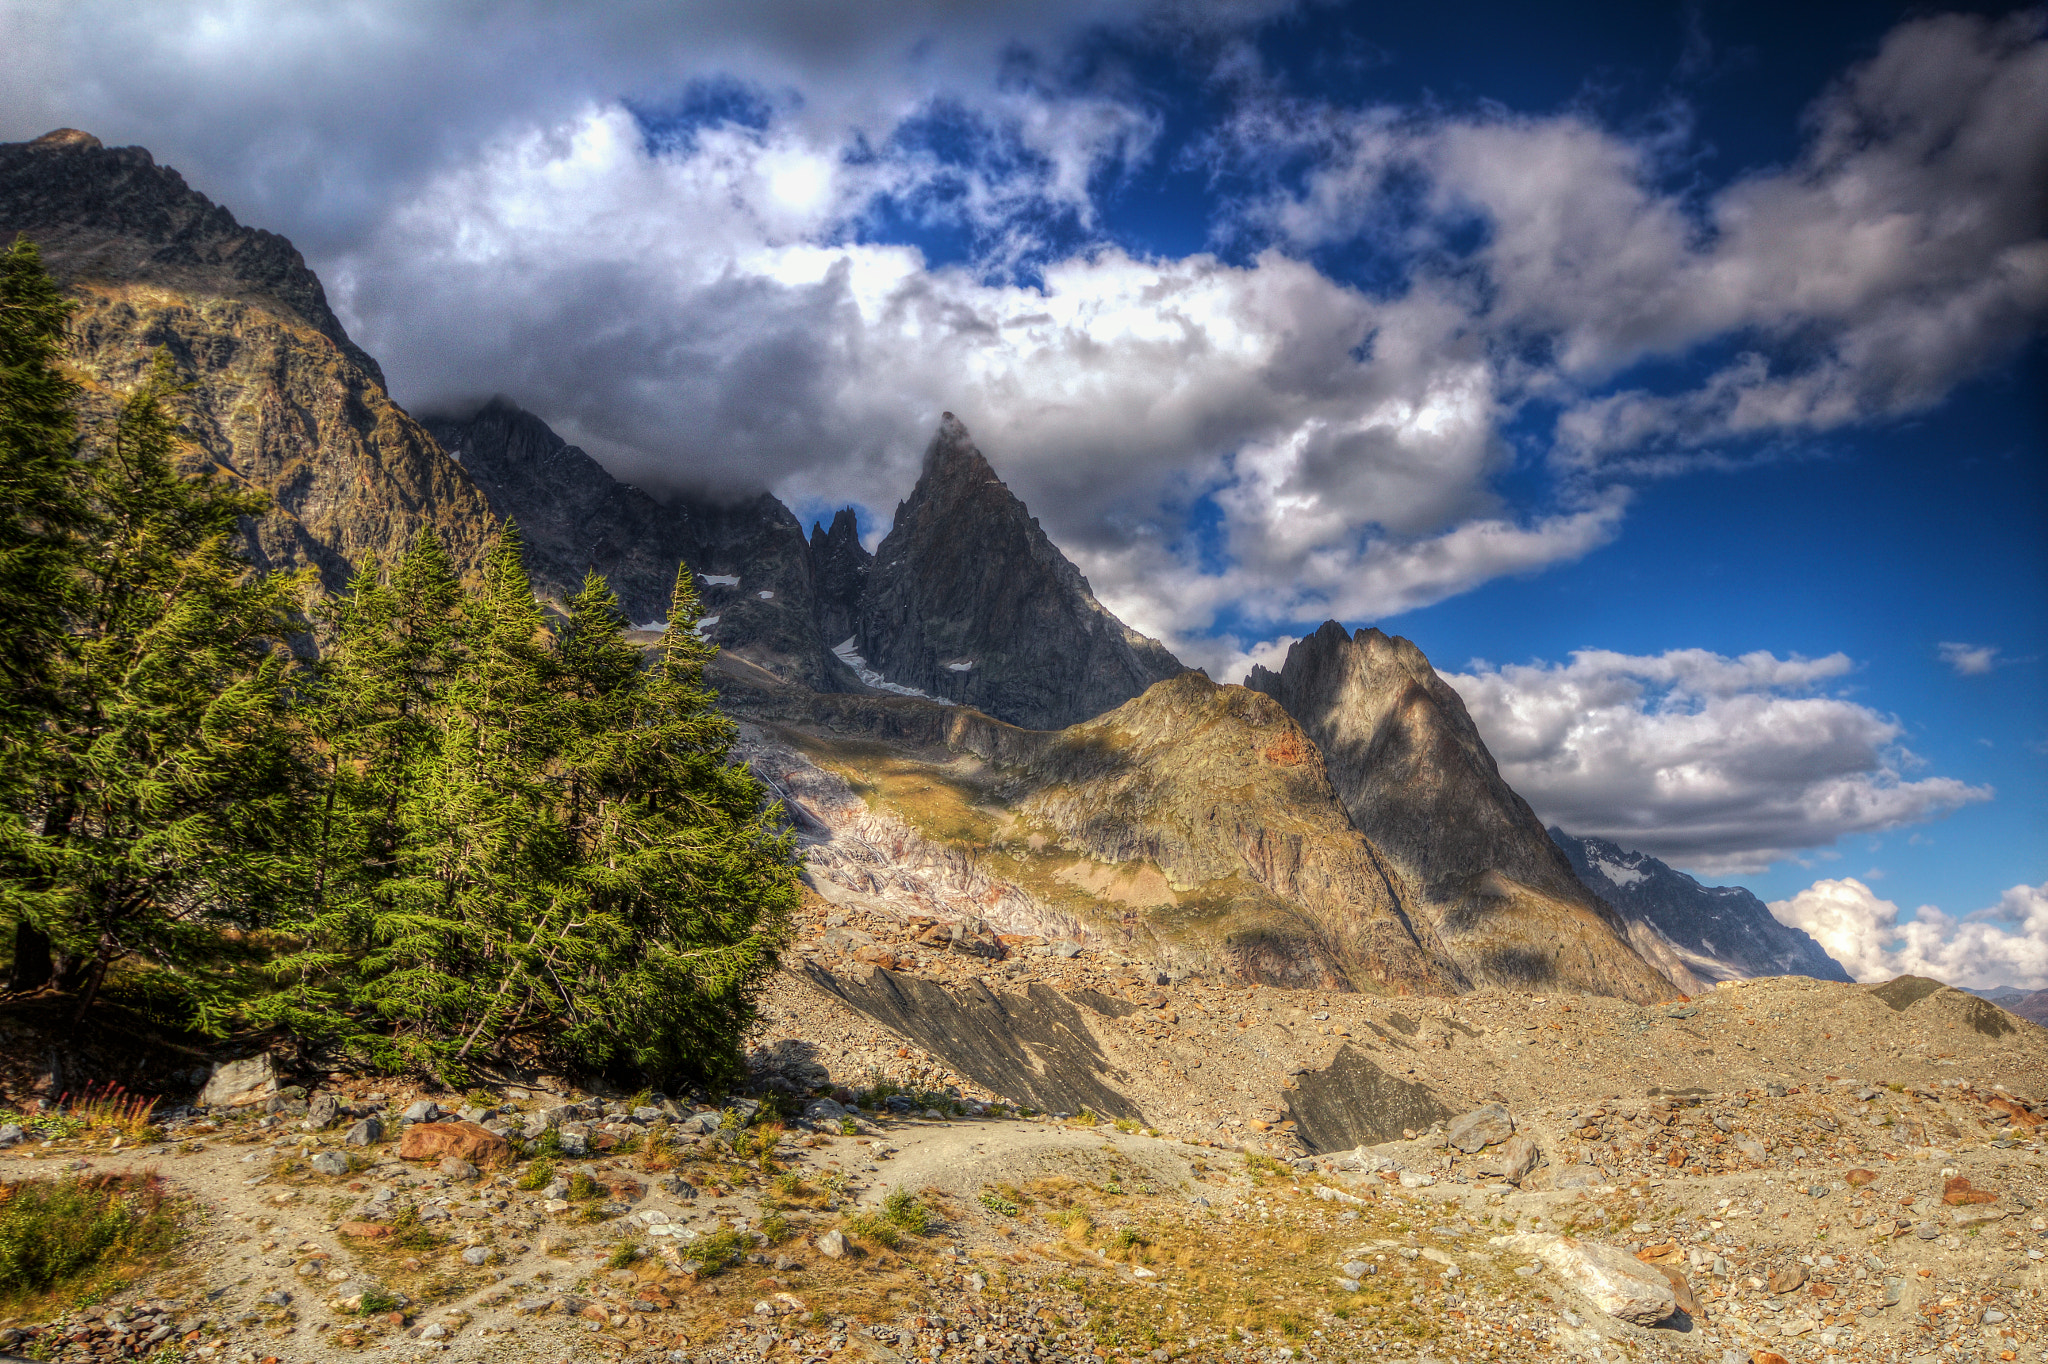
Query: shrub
905	1213
538	1175
998	1204
58	1232
623	1255
776	1228
717	1249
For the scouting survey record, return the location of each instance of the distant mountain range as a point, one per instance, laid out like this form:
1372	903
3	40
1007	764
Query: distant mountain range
2031	1005
1697	934
1337	822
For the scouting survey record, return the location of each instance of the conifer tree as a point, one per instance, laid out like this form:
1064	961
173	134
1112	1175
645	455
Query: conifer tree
170	783
43	514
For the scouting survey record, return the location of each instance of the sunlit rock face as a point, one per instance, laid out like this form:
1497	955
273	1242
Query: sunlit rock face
1418	781
280	399
968	600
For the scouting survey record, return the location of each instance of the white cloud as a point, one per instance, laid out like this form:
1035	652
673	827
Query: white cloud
1902	252
1721	765
1969	660
2006	944
489	217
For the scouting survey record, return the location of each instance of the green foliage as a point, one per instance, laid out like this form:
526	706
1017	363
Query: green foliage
623	1255
776	1228
999	1205
716	1249
902	1211
538	1175
55	1233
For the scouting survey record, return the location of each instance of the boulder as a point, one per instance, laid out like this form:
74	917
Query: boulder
1958	1191
1481	1128
1788	1278
365	1132
426	1110
1513	1161
463	1140
323	1110
11	1134
832	1245
240	1083
455	1167
330	1163
1611	1279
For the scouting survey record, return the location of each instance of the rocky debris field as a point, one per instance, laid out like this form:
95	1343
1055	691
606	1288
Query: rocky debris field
1717	1225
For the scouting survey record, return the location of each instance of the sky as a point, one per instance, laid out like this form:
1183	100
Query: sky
1670	374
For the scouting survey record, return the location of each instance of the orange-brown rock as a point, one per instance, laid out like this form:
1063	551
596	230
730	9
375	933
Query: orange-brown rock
464	1140
1959	1191
365	1230
1858	1178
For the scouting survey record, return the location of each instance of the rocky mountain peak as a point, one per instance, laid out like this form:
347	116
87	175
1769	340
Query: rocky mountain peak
1417	779
113	215
968	600
839	575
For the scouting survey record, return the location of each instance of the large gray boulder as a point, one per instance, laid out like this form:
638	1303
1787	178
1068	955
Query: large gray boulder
1609	1277
1481	1128
239	1083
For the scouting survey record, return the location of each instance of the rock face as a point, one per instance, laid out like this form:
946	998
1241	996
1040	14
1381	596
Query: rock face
968	600
1418	782
1715	932
282	400
839	576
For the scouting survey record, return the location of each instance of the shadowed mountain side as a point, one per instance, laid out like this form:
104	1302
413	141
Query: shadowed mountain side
839	575
967	599
1710	932
1417	780
281	399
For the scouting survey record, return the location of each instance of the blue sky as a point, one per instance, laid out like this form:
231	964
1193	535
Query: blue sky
1670	374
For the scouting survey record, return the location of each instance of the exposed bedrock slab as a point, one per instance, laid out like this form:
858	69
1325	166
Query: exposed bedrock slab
1033	1048
1352	1102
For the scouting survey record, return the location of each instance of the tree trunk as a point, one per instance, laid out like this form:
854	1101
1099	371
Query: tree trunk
33	968
95	975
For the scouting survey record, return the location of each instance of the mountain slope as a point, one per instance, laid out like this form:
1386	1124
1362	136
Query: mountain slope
282	399
968	600
753	566
1417	780
1717	932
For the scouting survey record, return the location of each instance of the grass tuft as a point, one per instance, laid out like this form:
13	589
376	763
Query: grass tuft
79	1234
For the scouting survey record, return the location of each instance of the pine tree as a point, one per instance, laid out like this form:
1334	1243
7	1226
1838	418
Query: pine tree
43	514
169	784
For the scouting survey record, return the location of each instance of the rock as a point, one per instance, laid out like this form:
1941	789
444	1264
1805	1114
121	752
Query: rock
575	1144
426	1110
1513	1161
323	1110
1357	1269
11	1134
1958	1191
1481	1128
1613	1280
1753	1149
478	1255
330	1163
832	1245
240	1083
464	1140
1066	947
1927	1231
368	1231
1859	1178
1976	1216
1348	1285
369	1130
457	1168
1681	1288
1788	1278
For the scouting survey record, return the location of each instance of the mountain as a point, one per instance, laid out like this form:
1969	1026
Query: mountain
839	575
1716	932
968	600
752	563
281	398
1417	780
2031	1005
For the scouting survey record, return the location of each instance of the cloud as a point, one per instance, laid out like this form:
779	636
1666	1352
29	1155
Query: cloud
678	234
1722	765
1903	251
2006	944
1969	660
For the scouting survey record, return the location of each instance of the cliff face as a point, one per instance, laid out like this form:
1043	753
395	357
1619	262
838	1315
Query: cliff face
968	600
839	575
1417	780
1716	932
282	400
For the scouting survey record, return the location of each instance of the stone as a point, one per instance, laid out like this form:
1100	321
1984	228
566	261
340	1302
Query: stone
1859	1178
1958	1192
1513	1161
330	1163
1788	1278
368	1231
11	1134
478	1255
455	1167
463	1140
323	1110
426	1110
1611	1279
1976	1216
1481	1128
832	1245
365	1132
1357	1269
575	1144
241	1083
1752	1148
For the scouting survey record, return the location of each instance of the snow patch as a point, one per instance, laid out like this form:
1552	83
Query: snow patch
653	625
844	650
721	579
703	625
1619	875
960	667
763	595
